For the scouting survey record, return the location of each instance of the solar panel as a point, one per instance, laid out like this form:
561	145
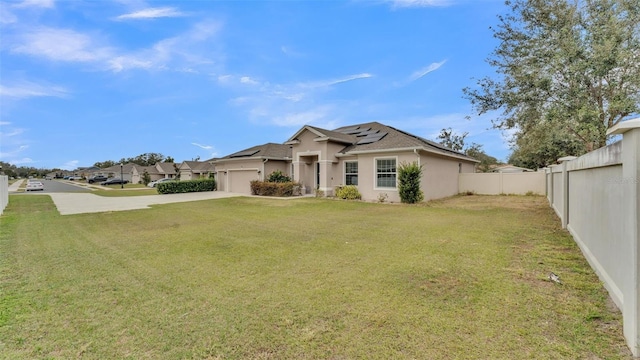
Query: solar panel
369	139
245	153
349	130
368	132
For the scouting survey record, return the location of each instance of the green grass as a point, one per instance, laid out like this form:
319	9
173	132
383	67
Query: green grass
247	278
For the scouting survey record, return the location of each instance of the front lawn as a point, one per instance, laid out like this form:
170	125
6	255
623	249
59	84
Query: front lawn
248	278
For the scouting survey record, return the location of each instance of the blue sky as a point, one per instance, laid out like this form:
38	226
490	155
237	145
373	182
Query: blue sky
82	82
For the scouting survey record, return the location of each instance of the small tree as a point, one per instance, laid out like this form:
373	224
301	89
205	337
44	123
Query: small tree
146	178
409	175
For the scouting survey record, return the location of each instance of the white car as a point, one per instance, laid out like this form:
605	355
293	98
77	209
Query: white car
35	186
154	183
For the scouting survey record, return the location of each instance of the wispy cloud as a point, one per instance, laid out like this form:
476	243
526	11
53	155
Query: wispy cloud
420	3
24	89
206	147
183	51
425	70
152	13
70	165
35	3
7	17
289	105
59	45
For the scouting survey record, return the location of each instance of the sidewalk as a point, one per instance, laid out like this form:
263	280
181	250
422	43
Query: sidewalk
15	186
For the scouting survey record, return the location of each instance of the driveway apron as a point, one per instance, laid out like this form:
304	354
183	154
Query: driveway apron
79	203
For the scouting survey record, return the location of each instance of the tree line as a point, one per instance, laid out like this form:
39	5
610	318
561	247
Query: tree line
566	72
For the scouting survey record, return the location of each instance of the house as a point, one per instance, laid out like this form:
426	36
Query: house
235	172
158	171
366	155
509	169
191	170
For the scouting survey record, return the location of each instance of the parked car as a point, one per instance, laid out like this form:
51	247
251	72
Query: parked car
154	183
75	178
114	181
34	185
48	178
97	178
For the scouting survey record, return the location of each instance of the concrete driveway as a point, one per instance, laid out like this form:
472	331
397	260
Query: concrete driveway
79	203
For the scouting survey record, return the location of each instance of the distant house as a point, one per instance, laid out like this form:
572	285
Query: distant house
509	169
366	155
191	170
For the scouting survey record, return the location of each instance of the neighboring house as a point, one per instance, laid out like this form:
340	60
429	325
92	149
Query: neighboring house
509	169
158	171
137	173
191	170
366	155
117	171
235	172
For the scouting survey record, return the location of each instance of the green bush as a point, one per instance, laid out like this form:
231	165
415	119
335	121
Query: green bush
278	177
348	192
282	189
409	175
174	187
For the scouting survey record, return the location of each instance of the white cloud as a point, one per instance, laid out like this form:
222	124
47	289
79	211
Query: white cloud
24	89
206	147
184	51
420	3
7	17
313	116
425	70
70	165
59	45
36	3
22	161
248	80
152	13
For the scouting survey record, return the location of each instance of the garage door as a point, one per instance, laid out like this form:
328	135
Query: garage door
240	180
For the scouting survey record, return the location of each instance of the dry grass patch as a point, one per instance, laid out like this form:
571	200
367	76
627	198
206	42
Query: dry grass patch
307	279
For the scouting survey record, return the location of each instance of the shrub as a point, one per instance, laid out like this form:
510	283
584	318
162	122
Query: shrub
174	187
409	175
382	197
278	177
282	189
348	192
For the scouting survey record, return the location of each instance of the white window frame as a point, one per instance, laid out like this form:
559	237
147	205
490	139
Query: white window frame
357	173
375	173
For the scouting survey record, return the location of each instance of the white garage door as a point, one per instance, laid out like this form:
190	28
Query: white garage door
240	180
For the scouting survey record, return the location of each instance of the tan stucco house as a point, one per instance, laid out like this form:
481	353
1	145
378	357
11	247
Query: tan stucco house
366	155
191	170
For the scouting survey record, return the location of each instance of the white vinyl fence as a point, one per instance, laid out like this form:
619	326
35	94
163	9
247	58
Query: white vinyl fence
596	197
502	183
4	192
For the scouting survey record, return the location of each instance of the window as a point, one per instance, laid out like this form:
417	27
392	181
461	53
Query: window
351	173
386	173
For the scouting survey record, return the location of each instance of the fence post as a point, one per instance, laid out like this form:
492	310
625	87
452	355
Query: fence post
630	181
565	190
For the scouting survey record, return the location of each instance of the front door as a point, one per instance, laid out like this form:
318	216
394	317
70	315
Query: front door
317	175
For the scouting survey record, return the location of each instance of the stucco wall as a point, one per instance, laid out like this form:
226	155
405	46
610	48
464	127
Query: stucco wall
440	175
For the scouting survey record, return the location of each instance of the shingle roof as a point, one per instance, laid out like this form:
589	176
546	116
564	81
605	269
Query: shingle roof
396	139
268	150
166	168
199	165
